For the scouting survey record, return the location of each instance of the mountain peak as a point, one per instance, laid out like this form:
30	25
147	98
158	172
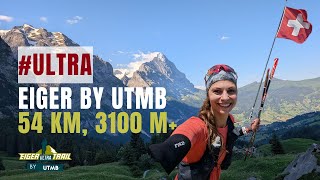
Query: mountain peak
125	79
160	56
28	35
141	59
161	72
3	32
27	26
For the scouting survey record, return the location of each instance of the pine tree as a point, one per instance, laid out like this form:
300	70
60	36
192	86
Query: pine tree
137	145
1	165
105	156
133	150
129	155
145	162
276	146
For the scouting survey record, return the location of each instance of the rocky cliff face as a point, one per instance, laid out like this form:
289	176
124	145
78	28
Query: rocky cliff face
155	70
160	72
304	164
28	35
8	82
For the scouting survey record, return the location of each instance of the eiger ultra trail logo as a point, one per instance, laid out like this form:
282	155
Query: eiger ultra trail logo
44	157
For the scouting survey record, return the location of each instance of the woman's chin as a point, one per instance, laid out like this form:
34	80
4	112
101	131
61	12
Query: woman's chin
224	111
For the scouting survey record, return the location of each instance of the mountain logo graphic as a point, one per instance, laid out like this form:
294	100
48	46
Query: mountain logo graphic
46	153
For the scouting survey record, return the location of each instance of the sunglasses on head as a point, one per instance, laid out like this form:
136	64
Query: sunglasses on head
217	68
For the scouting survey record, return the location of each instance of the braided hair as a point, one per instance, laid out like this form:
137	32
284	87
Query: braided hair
207	116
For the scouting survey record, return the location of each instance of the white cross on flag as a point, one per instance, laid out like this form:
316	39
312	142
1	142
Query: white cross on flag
294	25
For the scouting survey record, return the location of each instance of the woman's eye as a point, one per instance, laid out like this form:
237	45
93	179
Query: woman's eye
217	91
232	91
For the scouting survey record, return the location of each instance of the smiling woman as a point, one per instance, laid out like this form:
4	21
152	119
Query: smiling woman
223	97
202	146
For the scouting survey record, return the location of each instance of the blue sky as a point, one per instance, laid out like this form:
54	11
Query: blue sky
193	34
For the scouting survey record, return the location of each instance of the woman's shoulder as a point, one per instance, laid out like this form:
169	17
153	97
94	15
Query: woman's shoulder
193	126
196	131
195	122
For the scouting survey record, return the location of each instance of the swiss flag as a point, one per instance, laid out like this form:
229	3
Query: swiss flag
294	25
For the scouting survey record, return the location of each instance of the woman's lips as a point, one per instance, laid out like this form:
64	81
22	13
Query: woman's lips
224	105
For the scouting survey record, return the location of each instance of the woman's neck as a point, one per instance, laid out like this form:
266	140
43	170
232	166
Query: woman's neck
221	120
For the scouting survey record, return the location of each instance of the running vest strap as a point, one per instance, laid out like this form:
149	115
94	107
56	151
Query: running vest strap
202	169
199	170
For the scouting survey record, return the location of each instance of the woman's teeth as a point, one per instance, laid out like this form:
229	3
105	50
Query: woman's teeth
225	105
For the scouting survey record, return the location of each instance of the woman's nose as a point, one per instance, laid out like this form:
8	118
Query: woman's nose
224	95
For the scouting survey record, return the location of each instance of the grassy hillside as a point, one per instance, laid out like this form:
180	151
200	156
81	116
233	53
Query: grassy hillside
11	163
302	126
15	169
267	167
290	146
285	100
261	168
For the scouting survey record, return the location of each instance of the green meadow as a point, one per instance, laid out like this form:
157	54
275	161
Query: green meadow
262	167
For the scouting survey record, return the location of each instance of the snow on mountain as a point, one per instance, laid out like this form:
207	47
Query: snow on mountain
155	70
3	32
27	35
134	66
152	69
200	87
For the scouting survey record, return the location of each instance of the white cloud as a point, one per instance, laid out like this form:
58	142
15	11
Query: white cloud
140	56
44	19
136	56
224	38
74	20
119	73
121	65
200	87
139	59
6	18
120	52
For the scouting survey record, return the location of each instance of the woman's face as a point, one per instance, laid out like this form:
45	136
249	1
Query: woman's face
222	96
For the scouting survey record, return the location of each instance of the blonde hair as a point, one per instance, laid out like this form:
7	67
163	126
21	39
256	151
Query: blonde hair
207	116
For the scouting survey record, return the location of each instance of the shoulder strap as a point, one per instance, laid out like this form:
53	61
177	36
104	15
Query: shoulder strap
232	118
